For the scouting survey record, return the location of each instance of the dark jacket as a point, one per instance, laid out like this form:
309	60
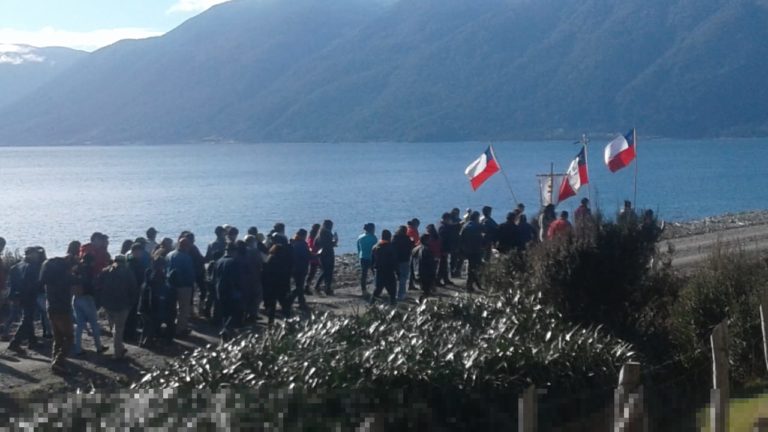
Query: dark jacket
157	300
472	241
24	282
325	244
525	234
139	269
301	256
490	228
385	260
278	268
183	263
506	237
227	279
119	289
217	245
423	266
447	237
58	280
403	246
87	281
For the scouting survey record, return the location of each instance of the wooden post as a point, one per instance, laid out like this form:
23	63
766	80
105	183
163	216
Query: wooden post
527	412
764	322
628	411
720	385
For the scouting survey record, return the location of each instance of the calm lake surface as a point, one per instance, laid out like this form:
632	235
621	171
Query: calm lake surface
51	195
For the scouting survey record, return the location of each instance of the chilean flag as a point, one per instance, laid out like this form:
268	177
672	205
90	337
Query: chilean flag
621	151
482	169
575	177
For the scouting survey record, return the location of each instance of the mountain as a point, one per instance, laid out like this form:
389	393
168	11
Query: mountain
24	68
349	70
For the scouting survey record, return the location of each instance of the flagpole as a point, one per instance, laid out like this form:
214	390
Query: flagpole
503	171
585	143
634	139
552	182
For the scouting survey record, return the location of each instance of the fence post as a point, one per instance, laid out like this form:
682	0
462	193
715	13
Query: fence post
628	411
527	412
764	322
720	394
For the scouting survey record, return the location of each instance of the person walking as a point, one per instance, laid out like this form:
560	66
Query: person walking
181	261
435	246
473	248
151	243
138	266
24	285
119	294
457	262
413	233
403	246
507	233
314	260
227	281
490	228
423	266
525	234
582	218
84	305
14	309
445	233
365	243
325	243
546	217
385	263
157	307
59	280
560	228
97	247
278	230
277	278
627	216
217	245
252	265
301	257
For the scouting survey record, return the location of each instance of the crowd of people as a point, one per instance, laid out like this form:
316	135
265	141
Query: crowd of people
147	291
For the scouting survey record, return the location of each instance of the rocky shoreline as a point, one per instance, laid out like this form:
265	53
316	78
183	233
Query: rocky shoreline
713	224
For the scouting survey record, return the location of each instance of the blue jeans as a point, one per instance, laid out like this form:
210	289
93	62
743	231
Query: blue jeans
43	311
365	267
85	312
403	272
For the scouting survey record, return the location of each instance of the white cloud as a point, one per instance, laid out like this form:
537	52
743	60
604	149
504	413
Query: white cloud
88	40
186	6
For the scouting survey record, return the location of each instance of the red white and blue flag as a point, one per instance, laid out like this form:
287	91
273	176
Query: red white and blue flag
621	151
575	177
482	169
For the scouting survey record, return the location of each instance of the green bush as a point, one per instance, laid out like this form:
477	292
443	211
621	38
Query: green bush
602	276
467	359
726	288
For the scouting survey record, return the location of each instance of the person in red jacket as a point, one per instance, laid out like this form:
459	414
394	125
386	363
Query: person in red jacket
413	230
98	249
559	228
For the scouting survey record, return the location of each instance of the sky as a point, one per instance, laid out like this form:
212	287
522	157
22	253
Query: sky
91	24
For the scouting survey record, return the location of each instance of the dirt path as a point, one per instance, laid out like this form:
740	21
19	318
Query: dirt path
694	249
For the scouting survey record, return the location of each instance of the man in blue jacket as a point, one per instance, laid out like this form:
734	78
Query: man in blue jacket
24	287
180	262
365	244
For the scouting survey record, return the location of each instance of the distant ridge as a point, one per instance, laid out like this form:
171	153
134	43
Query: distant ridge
25	68
417	70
